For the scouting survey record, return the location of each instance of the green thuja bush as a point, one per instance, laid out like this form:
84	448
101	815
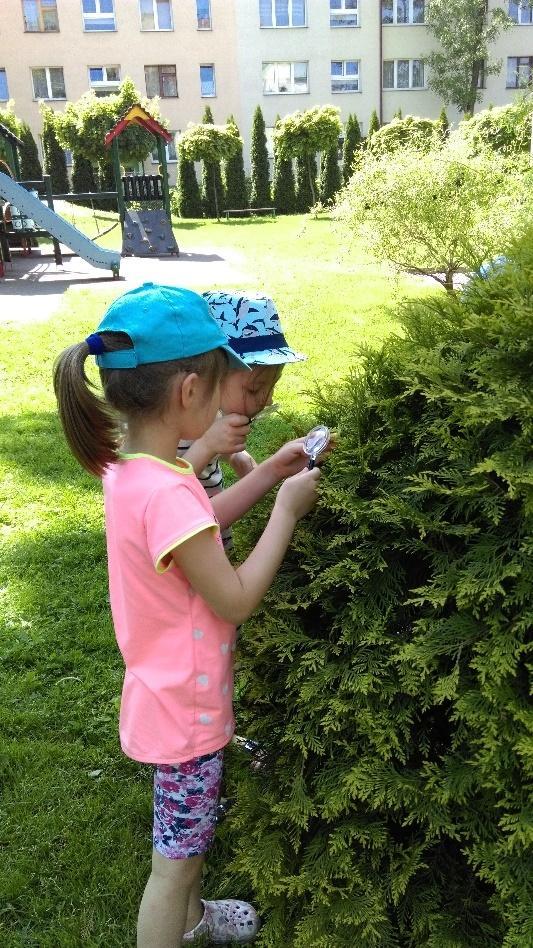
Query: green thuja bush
387	673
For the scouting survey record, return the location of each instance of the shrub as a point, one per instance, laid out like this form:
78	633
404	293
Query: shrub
234	176
330	176
436	213
506	129
84	178
185	198
386	672
30	166
284	186
411	131
54	157
352	145
260	196
302	134
373	125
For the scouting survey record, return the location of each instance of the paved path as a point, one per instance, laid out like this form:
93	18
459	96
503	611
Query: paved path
33	287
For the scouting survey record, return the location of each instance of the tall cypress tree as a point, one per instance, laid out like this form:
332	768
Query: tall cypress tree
260	196
188	201
304	194
444	124
54	156
373	125
212	184
83	176
30	166
330	176
234	177
283	184
352	144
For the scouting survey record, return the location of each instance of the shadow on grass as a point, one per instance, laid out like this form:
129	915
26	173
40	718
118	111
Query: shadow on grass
34	442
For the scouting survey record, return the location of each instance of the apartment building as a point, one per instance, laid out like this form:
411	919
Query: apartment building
234	54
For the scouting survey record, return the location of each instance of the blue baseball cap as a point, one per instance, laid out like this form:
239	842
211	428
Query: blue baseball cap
163	323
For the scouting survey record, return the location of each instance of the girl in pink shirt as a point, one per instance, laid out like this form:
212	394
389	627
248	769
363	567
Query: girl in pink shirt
175	597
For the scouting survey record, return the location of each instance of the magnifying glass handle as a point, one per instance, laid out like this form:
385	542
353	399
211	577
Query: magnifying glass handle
310	464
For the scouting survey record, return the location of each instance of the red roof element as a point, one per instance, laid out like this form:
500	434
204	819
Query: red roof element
138	116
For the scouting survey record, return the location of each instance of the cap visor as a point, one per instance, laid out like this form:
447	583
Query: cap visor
235	361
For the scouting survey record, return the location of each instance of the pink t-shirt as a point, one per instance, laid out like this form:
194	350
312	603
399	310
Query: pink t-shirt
178	686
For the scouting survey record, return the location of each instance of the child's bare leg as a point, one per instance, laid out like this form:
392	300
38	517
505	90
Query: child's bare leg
195	910
168	901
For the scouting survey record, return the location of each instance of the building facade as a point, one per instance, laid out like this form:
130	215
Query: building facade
284	55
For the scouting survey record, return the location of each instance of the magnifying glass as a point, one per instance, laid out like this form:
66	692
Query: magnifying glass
315	442
265	412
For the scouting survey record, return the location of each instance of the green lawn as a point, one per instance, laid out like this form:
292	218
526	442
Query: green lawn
75	814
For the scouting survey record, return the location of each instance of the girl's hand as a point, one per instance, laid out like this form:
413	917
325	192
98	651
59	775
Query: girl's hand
298	495
242	463
227	435
291	458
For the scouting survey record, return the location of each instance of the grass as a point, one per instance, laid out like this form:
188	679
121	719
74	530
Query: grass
75	813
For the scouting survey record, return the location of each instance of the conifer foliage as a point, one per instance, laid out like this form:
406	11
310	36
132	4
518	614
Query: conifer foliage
212	184
260	196
54	157
30	166
234	176
83	177
330	176
373	125
386	673
186	197
352	143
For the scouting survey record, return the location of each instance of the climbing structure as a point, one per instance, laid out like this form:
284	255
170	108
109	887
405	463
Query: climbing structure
143	200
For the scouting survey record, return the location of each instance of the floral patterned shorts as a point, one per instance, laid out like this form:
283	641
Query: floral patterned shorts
185	803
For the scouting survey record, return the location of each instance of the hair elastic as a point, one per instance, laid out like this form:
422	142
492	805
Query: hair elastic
96	344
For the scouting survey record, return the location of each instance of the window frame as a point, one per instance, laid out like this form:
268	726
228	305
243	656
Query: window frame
154	157
291	64
40	17
346	77
287	26
156	28
198	17
520	9
342	16
4	71
410	87
208	95
105	85
517	84
410	21
101	16
48	98
162	70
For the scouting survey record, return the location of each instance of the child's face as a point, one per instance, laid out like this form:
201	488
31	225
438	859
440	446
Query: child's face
247	393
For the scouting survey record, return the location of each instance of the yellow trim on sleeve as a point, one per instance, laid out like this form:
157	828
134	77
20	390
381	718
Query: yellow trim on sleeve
161	568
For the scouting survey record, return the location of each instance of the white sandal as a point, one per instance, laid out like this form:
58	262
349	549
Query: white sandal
226	920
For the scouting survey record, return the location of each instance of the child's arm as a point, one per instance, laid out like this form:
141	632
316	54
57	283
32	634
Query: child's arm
232	503
226	435
233	594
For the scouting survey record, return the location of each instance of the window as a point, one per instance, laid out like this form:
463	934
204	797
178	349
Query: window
4	91
104	79
519	72
203	14
156	15
68	157
282	13
161	80
284	78
40	16
345	75
170	150
343	13
48	83
402	11
403	74
207	81
98	15
521	11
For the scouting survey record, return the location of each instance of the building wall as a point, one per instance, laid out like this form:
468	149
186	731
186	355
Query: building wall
237	46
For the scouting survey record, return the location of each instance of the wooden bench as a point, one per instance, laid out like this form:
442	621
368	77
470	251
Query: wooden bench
261	211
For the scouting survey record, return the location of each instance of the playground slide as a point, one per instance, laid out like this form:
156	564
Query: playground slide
59	228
